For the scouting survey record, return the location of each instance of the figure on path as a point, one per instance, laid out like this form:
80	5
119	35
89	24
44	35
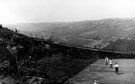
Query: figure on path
0	26
116	66
95	82
110	62
106	60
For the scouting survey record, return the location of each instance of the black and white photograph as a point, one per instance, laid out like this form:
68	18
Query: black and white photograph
67	42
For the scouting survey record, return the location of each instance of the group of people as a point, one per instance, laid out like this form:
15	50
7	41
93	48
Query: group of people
109	61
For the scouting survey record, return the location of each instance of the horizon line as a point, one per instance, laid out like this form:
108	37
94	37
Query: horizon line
67	21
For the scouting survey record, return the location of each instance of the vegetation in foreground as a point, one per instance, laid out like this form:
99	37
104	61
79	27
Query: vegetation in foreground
26	60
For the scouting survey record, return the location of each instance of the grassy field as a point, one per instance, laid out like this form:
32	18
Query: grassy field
104	75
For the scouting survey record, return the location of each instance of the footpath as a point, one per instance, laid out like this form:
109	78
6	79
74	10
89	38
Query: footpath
104	75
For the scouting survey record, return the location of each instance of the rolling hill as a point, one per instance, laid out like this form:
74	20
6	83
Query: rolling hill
101	34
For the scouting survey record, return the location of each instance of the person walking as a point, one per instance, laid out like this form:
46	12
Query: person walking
116	66
95	82
110	62
106	60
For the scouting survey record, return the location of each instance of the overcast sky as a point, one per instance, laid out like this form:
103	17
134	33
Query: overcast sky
29	11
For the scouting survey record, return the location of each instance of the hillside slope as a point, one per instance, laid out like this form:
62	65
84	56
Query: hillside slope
92	33
39	59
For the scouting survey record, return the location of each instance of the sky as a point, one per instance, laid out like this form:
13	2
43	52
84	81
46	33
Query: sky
39	11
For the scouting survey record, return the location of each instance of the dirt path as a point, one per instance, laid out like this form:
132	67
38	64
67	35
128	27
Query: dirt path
104	75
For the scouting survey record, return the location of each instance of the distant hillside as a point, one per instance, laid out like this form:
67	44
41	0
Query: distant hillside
34	27
91	33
